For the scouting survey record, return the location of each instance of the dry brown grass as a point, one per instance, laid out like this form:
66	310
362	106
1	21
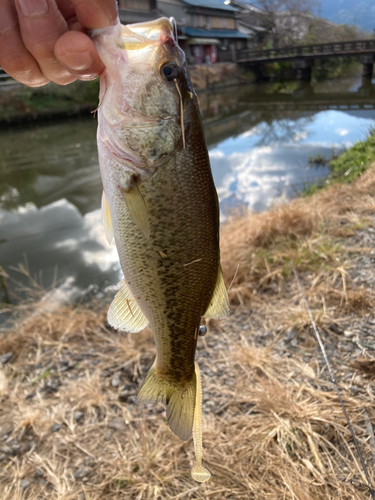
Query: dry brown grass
277	432
305	232
273	427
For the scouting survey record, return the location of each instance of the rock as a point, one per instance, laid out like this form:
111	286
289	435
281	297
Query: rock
115	382
77	416
334	327
117	423
16	447
24	484
123	396
56	427
52	385
5	358
349	333
290	334
81	473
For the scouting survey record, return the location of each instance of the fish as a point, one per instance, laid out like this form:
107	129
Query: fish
159	205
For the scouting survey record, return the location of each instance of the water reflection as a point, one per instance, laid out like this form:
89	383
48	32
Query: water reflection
62	244
259	144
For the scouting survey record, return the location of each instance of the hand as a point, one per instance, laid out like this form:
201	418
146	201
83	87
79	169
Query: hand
45	40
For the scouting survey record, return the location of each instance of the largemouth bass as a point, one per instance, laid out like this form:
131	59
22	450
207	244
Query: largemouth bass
160	204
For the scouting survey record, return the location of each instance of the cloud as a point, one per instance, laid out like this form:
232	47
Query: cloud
342	131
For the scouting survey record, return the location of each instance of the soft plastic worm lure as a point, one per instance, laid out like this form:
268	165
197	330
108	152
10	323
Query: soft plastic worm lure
198	472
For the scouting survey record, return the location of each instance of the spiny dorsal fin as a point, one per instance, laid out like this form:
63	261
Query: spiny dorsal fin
124	313
219	304
137	208
107	221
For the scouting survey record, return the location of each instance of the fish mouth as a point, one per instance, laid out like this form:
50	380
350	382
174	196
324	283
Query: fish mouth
159	31
140	35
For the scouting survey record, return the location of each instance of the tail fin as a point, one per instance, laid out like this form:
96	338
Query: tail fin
180	401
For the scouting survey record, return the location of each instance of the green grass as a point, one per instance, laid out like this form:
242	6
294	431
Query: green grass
51	99
314	254
347	166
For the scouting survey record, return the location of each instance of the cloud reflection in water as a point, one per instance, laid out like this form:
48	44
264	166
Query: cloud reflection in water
58	237
271	160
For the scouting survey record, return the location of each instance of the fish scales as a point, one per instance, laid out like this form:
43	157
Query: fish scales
162	206
175	295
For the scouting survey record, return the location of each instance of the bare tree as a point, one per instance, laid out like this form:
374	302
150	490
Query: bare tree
288	21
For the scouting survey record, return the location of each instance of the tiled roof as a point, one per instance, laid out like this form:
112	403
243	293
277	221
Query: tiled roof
196	32
211	4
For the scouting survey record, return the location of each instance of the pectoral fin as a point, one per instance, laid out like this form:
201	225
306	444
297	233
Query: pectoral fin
124	313
107	221
137	208
219	304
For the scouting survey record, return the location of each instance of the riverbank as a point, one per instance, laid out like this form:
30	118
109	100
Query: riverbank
273	427
20	104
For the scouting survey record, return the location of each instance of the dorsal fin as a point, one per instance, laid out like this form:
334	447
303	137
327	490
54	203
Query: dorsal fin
219	304
106	217
124	313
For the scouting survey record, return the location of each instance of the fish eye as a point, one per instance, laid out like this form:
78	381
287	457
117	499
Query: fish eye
169	71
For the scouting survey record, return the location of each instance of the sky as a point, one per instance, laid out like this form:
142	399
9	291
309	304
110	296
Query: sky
361	12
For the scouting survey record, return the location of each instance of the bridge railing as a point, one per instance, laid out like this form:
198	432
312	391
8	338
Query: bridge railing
334	48
5	79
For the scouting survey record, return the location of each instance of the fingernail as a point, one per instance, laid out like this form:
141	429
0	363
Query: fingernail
33	7
78	61
7	21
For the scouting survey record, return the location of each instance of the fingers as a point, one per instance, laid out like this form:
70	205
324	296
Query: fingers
96	13
42	24
77	53
43	40
15	59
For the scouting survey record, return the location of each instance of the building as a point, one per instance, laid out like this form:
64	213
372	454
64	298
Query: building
207	28
250	21
137	11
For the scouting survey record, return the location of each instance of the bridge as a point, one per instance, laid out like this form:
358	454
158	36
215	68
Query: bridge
226	114
303	56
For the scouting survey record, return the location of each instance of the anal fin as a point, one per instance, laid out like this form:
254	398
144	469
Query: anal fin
219	303
137	208
124	313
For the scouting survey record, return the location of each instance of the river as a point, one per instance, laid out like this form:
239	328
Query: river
259	142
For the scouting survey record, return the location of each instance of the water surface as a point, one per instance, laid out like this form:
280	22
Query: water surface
259	144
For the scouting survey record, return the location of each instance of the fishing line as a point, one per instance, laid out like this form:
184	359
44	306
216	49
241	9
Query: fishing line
234	277
181	114
321	345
